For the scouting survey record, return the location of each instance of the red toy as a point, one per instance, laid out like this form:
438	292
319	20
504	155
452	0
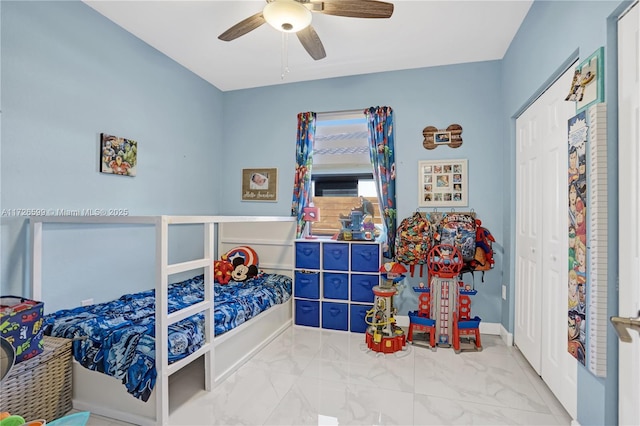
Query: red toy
445	261
420	320
222	270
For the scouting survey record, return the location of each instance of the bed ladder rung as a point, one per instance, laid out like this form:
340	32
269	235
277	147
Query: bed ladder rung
188	266
172	368
196	308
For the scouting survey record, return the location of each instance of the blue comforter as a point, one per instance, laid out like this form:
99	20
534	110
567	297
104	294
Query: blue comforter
118	337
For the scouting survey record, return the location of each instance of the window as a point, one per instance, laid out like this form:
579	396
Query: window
341	171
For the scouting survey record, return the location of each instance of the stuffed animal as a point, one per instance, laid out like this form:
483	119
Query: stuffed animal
222	270
242	272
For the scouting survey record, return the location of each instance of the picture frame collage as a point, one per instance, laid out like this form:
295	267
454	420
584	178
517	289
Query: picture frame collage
442	183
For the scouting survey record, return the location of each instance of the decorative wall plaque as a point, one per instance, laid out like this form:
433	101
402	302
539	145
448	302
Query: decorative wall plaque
434	137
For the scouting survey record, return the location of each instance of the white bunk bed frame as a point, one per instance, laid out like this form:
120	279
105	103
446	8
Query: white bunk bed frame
105	395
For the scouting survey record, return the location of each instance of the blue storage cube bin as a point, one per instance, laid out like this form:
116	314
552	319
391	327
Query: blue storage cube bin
307	313
358	313
335	256
365	257
307	285
335	286
308	255
335	316
362	287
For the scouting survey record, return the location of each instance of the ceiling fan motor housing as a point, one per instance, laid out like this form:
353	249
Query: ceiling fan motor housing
287	15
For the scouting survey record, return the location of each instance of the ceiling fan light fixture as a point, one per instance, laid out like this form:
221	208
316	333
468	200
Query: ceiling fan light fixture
288	16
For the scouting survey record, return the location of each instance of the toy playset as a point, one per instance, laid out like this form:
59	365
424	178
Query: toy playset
355	225
444	307
383	335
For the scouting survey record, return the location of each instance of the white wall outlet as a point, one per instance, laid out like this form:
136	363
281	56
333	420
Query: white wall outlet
504	292
87	302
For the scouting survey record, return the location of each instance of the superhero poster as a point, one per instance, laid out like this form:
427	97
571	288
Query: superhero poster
577	282
118	156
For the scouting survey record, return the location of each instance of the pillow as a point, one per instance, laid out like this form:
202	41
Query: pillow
248	255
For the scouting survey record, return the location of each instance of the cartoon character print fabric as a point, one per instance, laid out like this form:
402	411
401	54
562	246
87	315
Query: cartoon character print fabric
413	241
459	230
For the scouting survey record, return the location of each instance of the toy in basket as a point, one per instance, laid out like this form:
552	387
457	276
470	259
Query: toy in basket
7	357
21	324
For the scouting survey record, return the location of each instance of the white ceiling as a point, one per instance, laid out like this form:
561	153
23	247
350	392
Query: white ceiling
419	34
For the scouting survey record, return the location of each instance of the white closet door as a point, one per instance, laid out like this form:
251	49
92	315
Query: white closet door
558	367
629	204
541	290
528	307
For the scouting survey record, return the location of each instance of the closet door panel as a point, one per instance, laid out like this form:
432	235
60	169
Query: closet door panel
541	288
558	368
527	288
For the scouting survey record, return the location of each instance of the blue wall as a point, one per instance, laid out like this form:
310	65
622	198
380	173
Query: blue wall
260	131
69	74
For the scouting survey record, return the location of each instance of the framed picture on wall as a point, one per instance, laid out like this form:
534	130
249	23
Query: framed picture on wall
588	82
260	184
118	156
442	183
442	138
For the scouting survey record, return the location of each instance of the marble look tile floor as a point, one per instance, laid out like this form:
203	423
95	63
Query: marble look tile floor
320	377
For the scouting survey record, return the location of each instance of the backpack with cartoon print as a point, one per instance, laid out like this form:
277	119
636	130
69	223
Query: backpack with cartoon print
459	230
414	239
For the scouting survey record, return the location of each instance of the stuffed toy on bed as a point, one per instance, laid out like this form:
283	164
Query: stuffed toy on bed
222	270
238	264
242	272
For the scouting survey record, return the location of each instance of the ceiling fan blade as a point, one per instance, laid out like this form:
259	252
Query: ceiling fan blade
243	27
311	42
354	8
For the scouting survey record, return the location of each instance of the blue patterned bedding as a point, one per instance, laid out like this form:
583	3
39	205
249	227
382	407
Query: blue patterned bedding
118	337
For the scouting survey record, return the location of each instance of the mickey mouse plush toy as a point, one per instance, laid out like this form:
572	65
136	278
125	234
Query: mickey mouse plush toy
242	272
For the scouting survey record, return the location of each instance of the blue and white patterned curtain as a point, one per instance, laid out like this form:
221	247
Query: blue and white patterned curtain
304	160
381	149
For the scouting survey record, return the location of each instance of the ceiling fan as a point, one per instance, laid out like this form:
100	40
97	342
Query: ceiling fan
294	16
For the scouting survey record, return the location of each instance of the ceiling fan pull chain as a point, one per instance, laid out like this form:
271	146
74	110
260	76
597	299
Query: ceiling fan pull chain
284	68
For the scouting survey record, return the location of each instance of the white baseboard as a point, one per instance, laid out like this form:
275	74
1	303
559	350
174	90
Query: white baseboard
507	337
494	328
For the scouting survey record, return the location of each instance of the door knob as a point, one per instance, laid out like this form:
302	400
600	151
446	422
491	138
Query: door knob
623	325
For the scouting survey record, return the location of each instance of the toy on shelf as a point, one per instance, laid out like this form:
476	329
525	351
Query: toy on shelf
354	226
309	215
383	335
444	310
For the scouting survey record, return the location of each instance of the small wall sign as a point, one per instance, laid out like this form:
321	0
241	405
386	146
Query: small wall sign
260	184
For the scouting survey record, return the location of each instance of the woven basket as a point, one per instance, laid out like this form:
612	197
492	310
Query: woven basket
40	388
